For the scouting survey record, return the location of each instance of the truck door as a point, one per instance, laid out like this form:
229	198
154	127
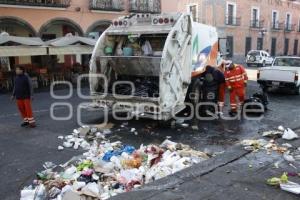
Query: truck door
176	66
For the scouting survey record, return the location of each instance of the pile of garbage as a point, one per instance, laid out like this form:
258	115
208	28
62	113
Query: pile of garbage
109	168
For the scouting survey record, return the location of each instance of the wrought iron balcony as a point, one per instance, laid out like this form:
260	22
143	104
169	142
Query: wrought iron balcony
290	27
277	26
107	5
233	21
38	3
257	24
145	6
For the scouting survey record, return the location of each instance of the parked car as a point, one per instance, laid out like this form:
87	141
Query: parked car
283	73
258	58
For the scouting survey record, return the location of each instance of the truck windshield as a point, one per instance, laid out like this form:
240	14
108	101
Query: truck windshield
287	62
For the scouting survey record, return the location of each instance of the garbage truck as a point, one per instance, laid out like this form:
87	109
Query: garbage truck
147	64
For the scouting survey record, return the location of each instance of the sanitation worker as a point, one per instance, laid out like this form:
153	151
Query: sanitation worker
236	82
23	92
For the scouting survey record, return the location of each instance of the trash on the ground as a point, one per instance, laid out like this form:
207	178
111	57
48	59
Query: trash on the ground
277	181
290	187
254	145
49	165
81	136
288	157
110	168
132	130
60	148
195	128
184	125
105	126
261	144
292	174
287	145
281	128
272	133
34	193
276	164
289	134
60	137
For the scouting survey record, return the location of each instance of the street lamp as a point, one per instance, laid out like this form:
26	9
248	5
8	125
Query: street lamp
262	33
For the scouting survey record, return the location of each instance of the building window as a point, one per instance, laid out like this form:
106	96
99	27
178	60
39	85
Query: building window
229	46
255	15
296	47
286	46
193	10
231	14
273	46
260	43
288	21
275	16
248	45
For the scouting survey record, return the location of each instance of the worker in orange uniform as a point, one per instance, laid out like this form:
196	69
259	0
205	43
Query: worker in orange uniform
236	81
23	92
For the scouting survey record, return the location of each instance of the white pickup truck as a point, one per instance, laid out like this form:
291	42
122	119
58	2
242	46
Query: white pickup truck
283	73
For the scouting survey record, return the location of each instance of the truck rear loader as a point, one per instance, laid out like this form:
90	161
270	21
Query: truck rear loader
146	64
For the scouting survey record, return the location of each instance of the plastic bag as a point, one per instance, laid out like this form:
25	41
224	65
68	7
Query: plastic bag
147	49
289	134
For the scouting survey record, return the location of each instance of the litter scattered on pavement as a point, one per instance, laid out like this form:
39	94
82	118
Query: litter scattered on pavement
281	132
109	168
289	135
272	133
291	187
277	181
285	184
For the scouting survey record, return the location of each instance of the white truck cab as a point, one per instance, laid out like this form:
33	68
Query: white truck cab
144	63
283	73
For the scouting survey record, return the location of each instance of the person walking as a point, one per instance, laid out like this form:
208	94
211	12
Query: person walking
236	81
23	93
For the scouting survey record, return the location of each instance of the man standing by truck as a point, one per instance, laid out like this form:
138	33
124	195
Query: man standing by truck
236	81
213	80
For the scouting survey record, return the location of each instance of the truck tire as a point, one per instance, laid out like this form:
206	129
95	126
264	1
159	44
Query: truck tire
263	64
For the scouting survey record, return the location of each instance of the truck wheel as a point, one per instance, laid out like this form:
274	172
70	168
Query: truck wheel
263	64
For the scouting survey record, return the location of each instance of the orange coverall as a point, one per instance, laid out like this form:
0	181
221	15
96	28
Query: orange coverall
236	79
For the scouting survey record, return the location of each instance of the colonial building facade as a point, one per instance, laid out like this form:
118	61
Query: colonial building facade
272	25
50	19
